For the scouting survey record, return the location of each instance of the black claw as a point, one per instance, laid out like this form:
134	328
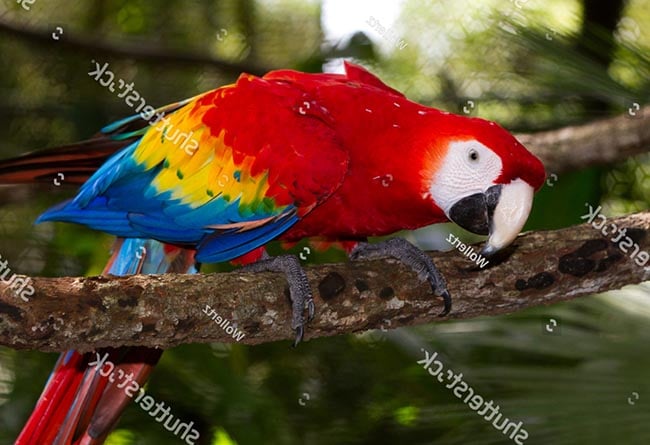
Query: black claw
412	257
311	310
447	302
300	334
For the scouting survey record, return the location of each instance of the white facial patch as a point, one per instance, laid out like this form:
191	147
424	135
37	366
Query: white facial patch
468	168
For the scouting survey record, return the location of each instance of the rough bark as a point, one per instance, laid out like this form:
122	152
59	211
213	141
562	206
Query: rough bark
167	310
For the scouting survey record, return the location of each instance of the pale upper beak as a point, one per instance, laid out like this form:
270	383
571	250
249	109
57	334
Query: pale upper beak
509	216
500	212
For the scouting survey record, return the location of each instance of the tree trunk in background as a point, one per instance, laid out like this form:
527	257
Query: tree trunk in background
596	41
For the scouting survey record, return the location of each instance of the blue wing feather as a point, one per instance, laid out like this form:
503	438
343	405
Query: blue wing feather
120	199
219	247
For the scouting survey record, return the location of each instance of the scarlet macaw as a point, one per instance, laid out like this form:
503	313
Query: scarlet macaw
286	156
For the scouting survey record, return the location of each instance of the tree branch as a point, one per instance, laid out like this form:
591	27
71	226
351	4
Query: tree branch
603	141
93	46
167	310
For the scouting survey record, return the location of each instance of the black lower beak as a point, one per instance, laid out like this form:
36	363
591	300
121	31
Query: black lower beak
474	212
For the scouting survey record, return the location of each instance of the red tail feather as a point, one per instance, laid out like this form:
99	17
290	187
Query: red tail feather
80	405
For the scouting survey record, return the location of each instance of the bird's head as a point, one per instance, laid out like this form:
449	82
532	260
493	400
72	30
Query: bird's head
482	178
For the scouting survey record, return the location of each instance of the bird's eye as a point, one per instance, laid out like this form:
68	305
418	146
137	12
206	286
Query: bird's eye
473	155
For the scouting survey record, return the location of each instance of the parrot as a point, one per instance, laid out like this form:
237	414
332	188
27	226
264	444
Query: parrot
333	157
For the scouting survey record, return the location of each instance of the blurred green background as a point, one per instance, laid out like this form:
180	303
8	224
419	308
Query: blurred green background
530	65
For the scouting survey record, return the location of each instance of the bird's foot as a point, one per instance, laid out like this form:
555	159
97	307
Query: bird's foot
299	289
410	256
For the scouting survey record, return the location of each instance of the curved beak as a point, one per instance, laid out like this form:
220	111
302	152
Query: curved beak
500	213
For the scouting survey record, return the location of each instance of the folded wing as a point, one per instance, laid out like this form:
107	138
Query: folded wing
227	172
